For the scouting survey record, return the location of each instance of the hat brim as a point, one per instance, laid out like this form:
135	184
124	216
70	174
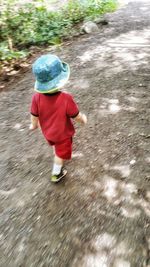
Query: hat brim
55	84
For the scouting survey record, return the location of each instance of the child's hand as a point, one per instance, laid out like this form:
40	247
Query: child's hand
84	118
34	123
32	127
81	118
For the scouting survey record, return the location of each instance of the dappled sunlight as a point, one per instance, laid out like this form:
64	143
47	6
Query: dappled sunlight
77	155
135	38
121	192
123	169
109	106
110	188
96	53
132	162
104	241
87	56
125	45
148	159
121	263
145	2
133	99
145	8
17	126
129	188
144	205
122	249
107	252
121	50
129	108
103	259
112	109
130	212
6	193
97	185
130	59
81	82
105	249
96	260
116	191
112	106
112	101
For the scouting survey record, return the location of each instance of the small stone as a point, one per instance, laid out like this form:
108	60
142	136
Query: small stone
76	34
89	27
101	21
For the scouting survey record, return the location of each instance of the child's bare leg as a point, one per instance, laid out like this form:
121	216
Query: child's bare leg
58	172
57	166
58	160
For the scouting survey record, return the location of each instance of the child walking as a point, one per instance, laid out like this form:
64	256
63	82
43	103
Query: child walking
53	110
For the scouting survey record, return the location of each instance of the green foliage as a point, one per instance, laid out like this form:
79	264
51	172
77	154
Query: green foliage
33	24
98	7
7	54
74	11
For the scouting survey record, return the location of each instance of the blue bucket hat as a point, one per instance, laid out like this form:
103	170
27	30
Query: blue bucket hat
51	73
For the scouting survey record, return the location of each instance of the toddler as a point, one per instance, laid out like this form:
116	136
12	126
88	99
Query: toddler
53	110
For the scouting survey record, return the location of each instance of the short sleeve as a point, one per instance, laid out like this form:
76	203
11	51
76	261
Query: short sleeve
72	108
34	106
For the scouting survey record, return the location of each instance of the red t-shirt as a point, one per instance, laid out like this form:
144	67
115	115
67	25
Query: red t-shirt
55	112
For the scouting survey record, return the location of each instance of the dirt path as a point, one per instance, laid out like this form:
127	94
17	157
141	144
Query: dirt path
99	216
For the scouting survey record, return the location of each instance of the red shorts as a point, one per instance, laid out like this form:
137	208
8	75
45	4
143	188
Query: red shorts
63	149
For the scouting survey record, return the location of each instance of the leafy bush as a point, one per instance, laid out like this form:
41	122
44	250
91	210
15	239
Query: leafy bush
7	54
30	24
74	11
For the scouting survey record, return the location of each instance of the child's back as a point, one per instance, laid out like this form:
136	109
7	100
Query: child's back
54	112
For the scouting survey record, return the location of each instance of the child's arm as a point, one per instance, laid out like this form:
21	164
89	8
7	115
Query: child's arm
34	122
73	111
81	118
